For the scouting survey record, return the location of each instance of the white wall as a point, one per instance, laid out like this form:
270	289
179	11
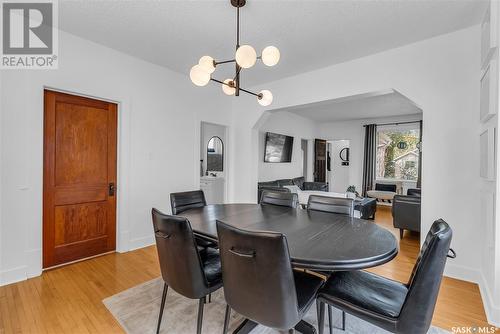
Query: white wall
288	124
440	75
159	128
339	176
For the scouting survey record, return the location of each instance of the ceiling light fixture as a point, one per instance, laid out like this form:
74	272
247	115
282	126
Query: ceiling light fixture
245	57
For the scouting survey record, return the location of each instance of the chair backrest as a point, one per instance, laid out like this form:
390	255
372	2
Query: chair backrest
386	187
406	212
186	200
180	262
343	206
425	280
258	277
279	198
414	192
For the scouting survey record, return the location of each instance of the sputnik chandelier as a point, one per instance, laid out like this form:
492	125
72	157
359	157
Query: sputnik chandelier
245	57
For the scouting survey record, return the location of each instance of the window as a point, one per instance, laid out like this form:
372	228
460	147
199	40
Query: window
398	152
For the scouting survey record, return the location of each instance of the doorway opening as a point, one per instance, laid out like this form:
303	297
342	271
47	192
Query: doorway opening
338	152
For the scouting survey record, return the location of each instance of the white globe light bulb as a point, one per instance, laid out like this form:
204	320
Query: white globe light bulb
227	89
270	56
199	76
207	63
265	98
246	56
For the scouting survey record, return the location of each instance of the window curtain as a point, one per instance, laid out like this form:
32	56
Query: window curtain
369	157
419	175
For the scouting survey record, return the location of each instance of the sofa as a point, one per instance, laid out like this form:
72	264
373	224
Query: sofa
279	185
406	213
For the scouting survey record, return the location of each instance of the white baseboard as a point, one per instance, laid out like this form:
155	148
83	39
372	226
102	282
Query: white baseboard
141	242
462	273
13	275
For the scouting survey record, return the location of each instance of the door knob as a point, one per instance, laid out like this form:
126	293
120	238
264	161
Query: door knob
111	189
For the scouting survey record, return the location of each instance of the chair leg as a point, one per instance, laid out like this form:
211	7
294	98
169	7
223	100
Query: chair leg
321	316
343	320
200	314
330	319
162	306
401	232
226	319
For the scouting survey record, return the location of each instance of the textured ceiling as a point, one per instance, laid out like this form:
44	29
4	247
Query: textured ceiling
363	106
310	34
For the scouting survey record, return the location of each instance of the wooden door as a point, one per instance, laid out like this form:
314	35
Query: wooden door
79	178
319	160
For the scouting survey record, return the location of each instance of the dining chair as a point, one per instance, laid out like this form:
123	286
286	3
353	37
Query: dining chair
393	306
338	205
189	272
279	198
260	287
183	201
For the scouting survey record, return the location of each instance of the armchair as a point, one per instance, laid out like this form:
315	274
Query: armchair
406	213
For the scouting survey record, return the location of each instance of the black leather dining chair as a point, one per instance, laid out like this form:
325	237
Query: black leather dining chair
189	272
343	206
279	198
183	201
336	205
260	287
186	200
393	306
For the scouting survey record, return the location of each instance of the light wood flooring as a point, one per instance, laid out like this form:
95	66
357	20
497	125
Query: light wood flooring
68	299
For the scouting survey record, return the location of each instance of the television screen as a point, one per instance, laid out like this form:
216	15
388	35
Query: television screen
278	148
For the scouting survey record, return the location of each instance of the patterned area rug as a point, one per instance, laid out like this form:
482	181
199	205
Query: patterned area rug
136	309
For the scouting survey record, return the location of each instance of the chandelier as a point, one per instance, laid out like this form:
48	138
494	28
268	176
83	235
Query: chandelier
245	57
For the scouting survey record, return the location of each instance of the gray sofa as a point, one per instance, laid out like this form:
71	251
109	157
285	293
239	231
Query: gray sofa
278	185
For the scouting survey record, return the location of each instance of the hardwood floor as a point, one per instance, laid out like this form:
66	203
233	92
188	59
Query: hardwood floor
69	299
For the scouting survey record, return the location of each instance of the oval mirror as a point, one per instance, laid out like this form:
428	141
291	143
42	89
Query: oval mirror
215	155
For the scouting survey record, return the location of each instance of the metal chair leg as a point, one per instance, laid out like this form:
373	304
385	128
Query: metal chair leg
162	306
330	319
343	320
200	314
226	319
321	316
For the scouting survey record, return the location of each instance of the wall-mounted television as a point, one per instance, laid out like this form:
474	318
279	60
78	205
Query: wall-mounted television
278	148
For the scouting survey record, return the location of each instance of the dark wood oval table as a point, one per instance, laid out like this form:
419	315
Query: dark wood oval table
317	240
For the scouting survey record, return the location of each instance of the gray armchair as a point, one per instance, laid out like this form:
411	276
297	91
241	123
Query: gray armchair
406	213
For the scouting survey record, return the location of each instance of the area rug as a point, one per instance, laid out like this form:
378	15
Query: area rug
136	309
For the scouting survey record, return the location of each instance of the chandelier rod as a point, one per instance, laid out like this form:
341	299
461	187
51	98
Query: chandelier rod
243	90
237	75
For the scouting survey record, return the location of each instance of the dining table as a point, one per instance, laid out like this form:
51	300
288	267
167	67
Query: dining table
317	241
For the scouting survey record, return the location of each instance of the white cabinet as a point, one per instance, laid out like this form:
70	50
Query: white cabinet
213	188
